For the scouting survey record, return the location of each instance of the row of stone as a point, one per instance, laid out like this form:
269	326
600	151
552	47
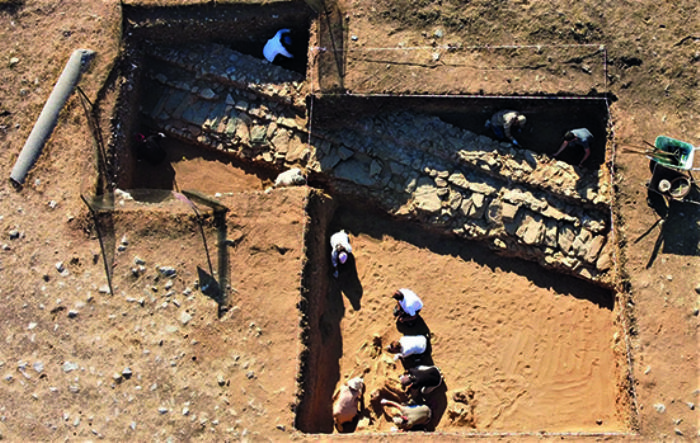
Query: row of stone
222	65
403	163
474	205
497	159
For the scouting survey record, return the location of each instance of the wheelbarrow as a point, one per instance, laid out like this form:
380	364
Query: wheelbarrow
671	164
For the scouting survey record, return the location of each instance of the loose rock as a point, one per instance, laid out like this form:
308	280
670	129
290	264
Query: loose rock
167	271
69	366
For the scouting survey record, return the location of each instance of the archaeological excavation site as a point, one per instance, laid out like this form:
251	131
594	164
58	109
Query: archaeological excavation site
513	252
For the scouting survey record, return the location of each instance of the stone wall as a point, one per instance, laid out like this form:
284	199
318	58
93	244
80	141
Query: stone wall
411	165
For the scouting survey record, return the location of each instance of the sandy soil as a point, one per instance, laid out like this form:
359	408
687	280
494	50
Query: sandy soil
524	342
541	352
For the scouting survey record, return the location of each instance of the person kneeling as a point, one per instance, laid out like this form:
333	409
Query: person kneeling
340	250
408	305
421	380
409	416
346	401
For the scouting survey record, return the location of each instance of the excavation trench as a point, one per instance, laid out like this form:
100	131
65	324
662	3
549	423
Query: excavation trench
534	347
494	324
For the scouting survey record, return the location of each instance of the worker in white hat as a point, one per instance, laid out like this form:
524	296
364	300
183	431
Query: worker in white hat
504	123
280	44
340	250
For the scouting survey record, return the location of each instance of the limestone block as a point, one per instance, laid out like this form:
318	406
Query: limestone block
396	168
197	114
411	185
530	158
354	171
220	128
455	200
582	243
290	123
345	153
458	179
184	104
297	149
375	168
281	141
532	229
593	225
256	110
242	131
241	105
493	213
522	197
557	214
258	134
207	94
231	127
323	145
475	230
587	273
331	160
271	128
605	259
550	233
594	248
484	141
426	197
509	211
565	238
482	188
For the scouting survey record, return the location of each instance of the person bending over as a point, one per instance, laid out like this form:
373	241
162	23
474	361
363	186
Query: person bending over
408	345
581	137
408	305
421	379
340	249
279	45
409	416
504	123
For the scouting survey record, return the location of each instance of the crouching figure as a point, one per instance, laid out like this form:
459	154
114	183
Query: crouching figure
347	403
421	380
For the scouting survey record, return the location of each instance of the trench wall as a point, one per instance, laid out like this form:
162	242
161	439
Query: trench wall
240	24
321	348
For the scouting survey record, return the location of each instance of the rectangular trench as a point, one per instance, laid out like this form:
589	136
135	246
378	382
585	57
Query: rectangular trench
540	351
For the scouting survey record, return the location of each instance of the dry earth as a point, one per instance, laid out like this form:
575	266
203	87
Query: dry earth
541	352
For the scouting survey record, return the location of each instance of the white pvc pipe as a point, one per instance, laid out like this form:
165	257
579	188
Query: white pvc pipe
49	115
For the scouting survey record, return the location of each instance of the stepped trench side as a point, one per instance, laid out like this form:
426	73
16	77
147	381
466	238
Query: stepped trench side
411	165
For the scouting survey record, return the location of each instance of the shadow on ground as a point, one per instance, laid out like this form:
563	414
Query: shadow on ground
357	221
